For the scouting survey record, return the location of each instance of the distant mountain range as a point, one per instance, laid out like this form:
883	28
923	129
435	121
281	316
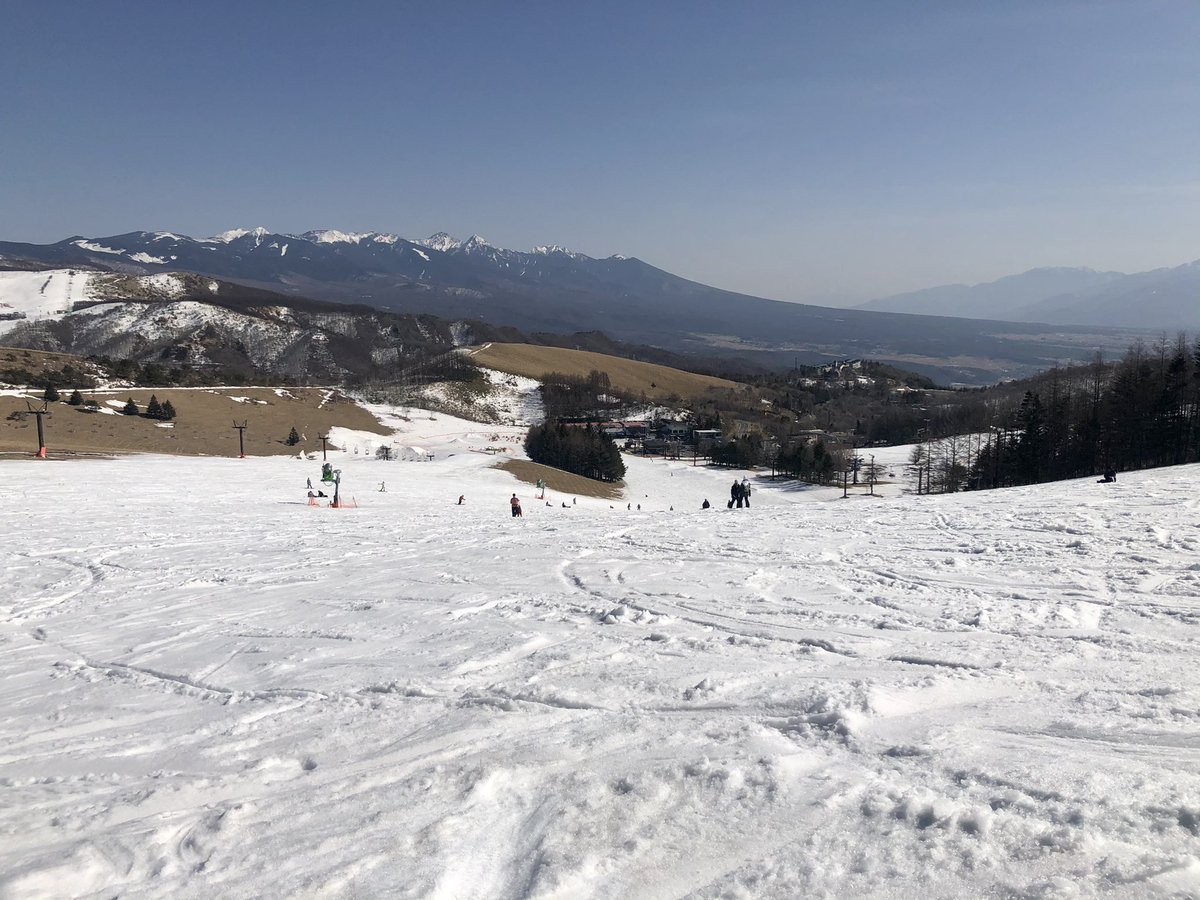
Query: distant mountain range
550	289
1165	299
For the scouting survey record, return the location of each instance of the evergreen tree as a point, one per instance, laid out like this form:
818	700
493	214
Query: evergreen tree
51	394
130	408
1031	446
293	437
154	408
584	451
168	411
76	399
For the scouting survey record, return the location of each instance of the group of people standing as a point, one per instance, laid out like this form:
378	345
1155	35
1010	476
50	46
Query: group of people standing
739	494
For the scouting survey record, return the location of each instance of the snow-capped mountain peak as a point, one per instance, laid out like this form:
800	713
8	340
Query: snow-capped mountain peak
333	236
226	237
440	241
547	250
476	242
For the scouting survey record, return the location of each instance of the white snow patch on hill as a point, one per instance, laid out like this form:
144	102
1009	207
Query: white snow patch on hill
166	284
40	295
220	690
96	248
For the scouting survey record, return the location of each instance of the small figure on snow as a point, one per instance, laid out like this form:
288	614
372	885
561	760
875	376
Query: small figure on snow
1110	475
309	485
746	491
705	504
461	497
516	507
383	487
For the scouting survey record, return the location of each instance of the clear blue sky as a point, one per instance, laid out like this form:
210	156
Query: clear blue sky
804	151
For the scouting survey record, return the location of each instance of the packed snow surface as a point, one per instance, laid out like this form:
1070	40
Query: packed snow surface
40	295
210	688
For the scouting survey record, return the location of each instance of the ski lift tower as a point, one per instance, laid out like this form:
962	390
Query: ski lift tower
241	430
39	413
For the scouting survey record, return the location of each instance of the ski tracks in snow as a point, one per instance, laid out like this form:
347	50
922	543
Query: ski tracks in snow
983	695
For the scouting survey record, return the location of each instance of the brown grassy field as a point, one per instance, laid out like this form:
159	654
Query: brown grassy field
203	426
40	361
657	382
560	482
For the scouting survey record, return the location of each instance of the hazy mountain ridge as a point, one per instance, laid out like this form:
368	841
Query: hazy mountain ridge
1166	298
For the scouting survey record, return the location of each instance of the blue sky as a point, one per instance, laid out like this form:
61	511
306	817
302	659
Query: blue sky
827	152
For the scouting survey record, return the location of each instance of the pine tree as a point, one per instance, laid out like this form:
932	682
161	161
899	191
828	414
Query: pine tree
583	451
76	399
168	411
293	437
130	408
154	408
51	395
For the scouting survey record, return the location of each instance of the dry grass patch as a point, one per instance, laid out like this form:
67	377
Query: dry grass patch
203	425
561	482
655	381
42	361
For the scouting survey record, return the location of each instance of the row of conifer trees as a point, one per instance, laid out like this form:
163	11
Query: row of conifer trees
585	451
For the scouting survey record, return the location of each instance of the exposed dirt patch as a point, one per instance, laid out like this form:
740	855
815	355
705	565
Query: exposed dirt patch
561	482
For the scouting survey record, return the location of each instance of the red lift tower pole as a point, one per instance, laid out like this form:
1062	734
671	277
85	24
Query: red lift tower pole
44	411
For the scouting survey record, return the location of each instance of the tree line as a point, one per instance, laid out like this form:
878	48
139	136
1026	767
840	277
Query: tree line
585	451
1140	412
583	397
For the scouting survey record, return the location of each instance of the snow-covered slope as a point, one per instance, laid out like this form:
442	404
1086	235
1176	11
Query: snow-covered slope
30	296
210	688
55	293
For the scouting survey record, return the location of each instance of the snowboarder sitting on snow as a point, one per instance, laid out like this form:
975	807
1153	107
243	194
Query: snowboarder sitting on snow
705	504
1110	475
